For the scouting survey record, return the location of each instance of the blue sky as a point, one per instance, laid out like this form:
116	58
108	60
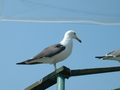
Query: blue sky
22	40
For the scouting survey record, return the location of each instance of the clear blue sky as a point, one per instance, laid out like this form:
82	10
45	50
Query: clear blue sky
22	40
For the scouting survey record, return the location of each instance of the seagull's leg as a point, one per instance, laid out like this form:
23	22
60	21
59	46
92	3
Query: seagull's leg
55	66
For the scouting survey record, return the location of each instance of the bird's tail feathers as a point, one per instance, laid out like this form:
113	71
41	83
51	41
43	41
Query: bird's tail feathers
100	57
28	62
21	63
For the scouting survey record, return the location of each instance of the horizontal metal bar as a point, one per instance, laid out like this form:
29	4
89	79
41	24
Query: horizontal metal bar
94	71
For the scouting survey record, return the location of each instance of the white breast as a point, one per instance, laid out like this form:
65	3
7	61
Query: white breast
65	53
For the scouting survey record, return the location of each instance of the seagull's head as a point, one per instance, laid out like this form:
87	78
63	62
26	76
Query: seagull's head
73	35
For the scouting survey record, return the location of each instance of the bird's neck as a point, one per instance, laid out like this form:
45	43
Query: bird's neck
67	41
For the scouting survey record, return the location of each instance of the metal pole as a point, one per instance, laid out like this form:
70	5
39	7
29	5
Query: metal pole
60	82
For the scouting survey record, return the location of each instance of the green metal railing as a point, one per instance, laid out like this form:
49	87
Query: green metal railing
60	74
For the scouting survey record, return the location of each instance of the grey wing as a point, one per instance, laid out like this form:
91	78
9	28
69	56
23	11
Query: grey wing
110	53
115	53
50	51
47	52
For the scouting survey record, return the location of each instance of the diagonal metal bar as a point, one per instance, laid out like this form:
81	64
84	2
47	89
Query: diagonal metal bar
49	80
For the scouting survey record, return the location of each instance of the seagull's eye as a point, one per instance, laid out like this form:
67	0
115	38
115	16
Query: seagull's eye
74	33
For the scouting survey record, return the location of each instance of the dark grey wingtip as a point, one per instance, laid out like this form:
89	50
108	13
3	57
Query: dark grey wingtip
99	57
21	63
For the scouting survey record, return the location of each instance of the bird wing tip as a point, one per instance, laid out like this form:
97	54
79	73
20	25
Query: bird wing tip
100	57
21	63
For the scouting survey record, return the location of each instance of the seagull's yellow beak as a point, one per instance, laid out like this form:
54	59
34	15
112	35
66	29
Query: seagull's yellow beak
78	39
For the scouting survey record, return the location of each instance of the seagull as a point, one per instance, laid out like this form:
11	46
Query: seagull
114	55
54	53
